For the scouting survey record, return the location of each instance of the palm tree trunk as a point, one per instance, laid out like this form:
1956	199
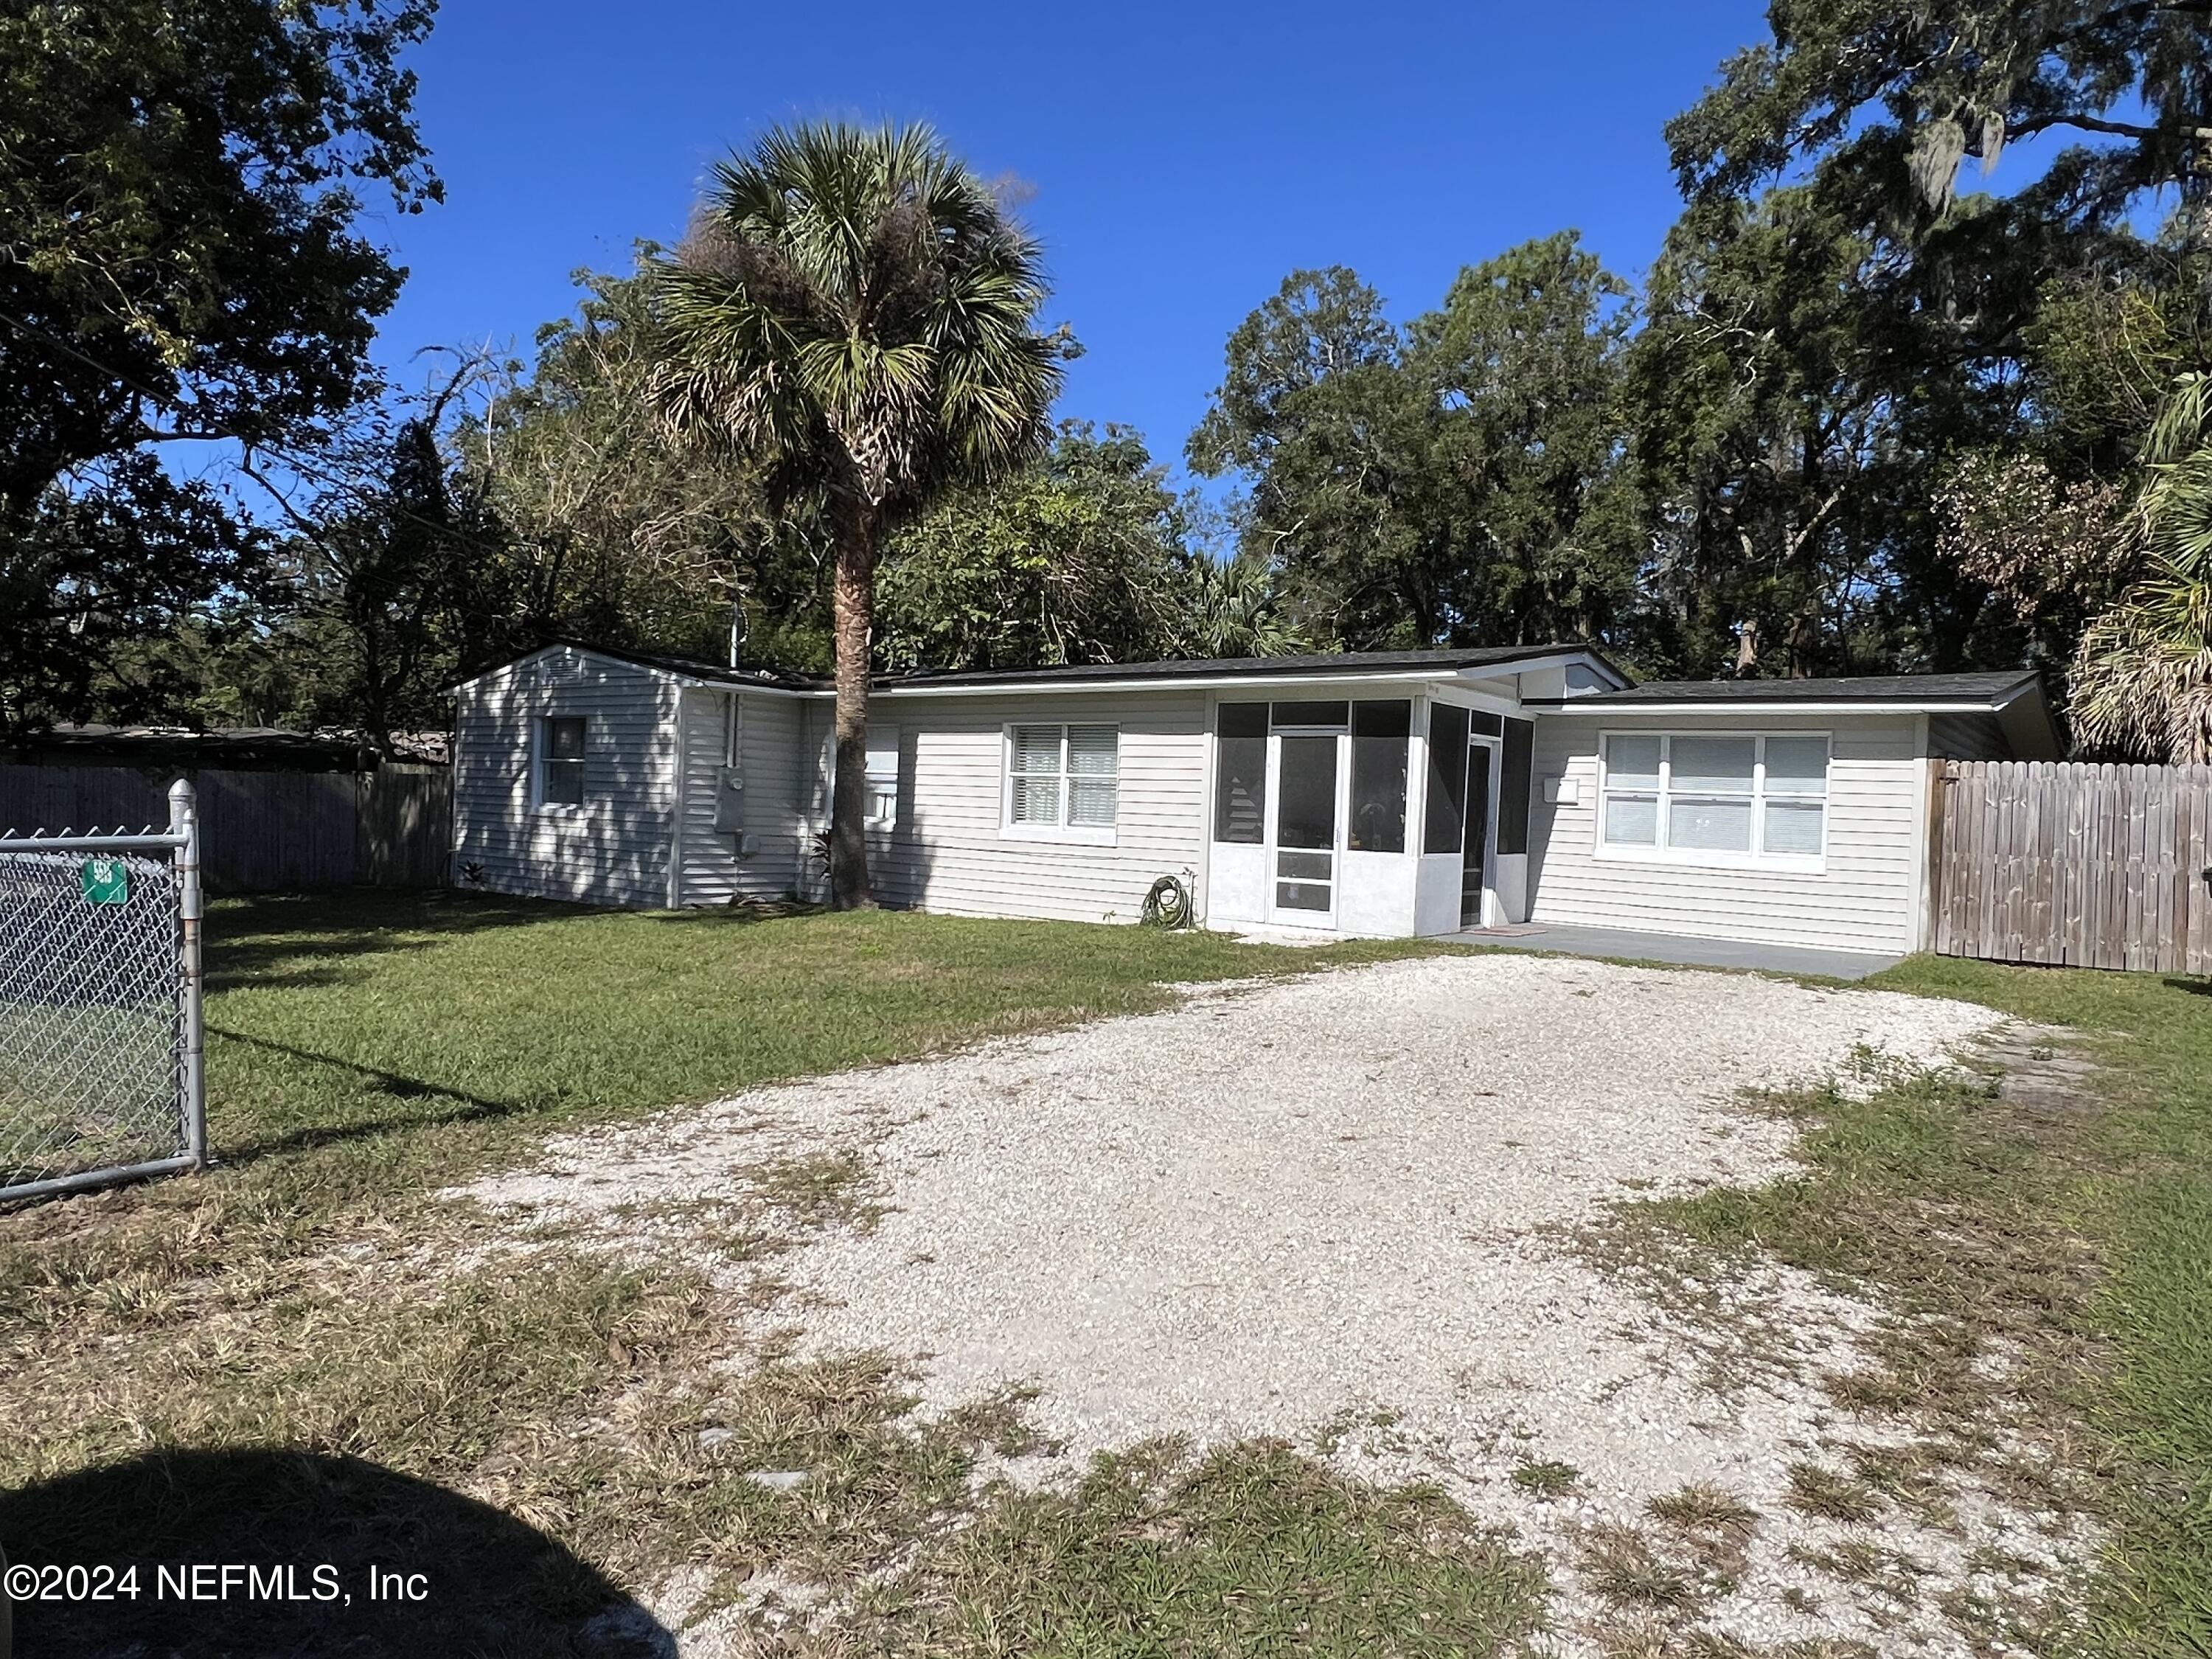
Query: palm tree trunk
854	599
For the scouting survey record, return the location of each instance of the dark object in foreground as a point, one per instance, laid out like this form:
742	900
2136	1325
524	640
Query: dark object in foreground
379	1562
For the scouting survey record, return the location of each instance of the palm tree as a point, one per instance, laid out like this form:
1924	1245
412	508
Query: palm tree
1236	611
856	308
2143	677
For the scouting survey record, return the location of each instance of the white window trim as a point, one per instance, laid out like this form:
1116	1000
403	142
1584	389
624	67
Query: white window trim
871	779
541	738
1065	833
1704	858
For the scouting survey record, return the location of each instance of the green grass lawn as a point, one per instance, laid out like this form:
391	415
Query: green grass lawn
301	1356
301	1350
2133	1183
2077	1238
397	1038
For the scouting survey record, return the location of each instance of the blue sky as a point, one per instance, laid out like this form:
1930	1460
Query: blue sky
1183	159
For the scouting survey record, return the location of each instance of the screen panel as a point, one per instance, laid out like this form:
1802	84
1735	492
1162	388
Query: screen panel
1447	806
1513	786
1382	735
1305	811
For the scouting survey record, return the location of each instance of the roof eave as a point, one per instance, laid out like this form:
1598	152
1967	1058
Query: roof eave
1351	673
1170	683
1768	706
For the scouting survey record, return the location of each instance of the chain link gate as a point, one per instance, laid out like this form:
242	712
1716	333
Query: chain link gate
100	1038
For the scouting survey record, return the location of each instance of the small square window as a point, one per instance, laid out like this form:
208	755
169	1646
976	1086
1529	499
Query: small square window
1065	778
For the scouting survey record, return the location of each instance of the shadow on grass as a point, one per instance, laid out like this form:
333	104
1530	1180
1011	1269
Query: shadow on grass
736	914
288	938
487	1583
473	1108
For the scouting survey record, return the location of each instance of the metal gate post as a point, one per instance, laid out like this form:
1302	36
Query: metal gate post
185	824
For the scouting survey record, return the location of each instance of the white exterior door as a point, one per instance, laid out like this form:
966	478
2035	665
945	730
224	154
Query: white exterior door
1477	879
1305	827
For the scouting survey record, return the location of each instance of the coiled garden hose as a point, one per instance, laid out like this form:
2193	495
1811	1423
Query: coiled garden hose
1168	905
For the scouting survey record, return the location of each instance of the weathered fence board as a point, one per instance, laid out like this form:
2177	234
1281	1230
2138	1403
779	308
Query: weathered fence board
406	825
262	831
2090	865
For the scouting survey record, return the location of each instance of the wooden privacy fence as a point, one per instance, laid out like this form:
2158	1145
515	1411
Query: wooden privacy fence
262	831
2093	867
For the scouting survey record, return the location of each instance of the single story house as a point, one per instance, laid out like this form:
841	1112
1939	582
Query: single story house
1368	793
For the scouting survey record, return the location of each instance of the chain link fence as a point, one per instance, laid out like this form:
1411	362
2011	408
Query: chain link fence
99	1018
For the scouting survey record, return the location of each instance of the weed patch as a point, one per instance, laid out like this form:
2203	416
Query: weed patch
1250	1549
2048	1250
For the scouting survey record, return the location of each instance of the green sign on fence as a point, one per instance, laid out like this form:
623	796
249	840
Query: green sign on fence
106	881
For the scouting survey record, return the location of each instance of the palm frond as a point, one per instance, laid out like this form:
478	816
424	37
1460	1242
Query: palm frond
861	288
2183	423
2176	510
2143	677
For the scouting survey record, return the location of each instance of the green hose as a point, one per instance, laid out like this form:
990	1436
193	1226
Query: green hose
1168	905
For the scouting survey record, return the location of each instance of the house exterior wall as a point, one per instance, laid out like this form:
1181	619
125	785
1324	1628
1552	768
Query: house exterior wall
772	763
1378	894
947	851
1967	737
655	829
1867	896
614	849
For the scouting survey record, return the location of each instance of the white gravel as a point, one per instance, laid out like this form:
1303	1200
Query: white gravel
1342	1199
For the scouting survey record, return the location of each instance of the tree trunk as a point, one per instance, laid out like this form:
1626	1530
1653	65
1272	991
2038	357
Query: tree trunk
853	597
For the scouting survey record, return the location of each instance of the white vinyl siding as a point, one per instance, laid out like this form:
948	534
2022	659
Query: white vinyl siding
771	763
613	849
1861	895
1729	798
949	851
1967	737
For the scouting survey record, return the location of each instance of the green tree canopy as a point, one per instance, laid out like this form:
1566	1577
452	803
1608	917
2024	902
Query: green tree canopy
1461	480
2143	683
1885	102
623	530
183	258
1844	333
1078	558
1796	412
1525	360
1317	416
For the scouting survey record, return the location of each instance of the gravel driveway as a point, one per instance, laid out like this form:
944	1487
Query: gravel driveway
1340	1208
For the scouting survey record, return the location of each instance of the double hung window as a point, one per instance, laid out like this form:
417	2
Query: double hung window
883	763
560	761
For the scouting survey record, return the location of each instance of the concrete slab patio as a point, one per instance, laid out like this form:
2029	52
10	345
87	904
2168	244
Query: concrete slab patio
1682	950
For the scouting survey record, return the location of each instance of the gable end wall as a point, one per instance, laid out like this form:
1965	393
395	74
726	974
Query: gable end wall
616	850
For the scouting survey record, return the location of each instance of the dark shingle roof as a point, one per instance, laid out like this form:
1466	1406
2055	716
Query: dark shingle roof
1874	688
1331	662
1871	688
697	668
